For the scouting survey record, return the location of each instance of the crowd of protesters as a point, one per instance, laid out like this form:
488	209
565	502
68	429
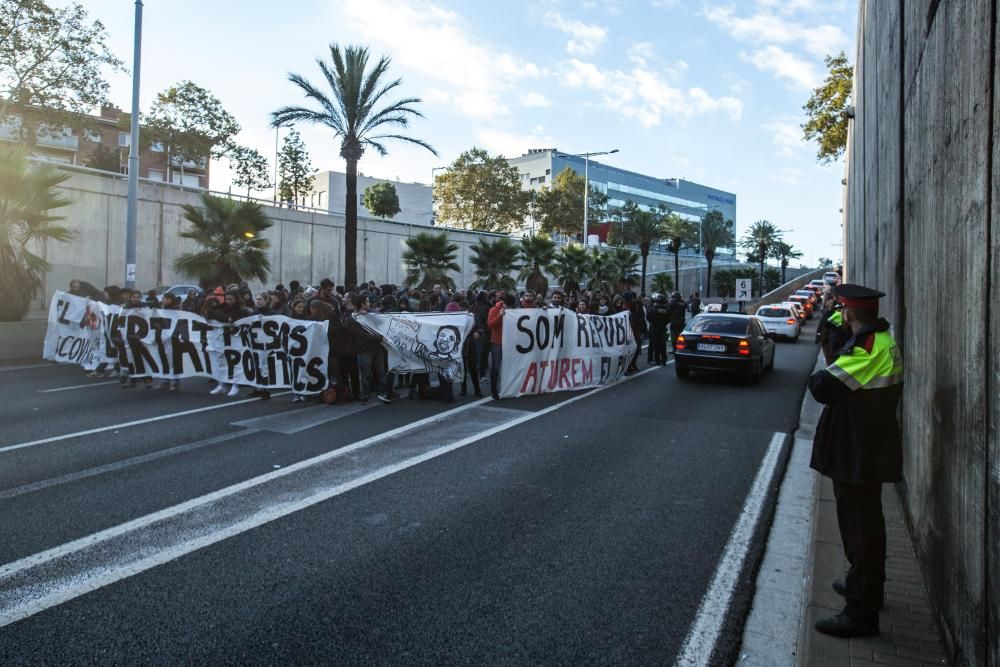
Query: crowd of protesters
358	362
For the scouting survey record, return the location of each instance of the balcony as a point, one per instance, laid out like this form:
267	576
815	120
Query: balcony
200	163
65	141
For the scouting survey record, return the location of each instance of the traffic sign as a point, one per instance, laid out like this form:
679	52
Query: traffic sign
743	289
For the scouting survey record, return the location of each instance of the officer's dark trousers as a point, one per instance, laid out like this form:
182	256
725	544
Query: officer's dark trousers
862	529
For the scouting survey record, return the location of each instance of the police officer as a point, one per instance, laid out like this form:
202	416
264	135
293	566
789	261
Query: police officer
859	446
832	332
678	313
658	316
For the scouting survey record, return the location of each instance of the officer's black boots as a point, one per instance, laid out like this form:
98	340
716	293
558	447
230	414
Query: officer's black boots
840	588
842	625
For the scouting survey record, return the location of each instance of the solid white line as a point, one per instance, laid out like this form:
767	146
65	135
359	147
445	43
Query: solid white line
278	510
148	420
704	633
76	386
30	366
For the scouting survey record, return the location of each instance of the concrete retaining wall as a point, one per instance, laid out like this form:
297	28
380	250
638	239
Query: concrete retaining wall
22	340
922	198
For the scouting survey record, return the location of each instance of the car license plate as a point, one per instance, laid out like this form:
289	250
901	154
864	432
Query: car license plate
711	347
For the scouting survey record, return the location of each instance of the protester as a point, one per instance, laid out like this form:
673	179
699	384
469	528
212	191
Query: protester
227	312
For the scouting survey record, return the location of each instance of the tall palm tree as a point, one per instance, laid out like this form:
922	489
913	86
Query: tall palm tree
494	263
715	234
758	242
538	255
230	234
643	228
604	271
572	267
28	195
356	110
784	252
679	234
663	283
428	258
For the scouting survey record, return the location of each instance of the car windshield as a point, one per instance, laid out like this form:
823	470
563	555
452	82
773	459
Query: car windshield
773	312
719	325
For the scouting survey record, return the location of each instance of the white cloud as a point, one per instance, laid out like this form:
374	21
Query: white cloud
786	175
784	65
533	99
786	134
584	37
666	4
645	95
474	77
787	7
512	144
767	28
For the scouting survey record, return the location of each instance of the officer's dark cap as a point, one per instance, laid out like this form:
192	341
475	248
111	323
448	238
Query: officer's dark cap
857	296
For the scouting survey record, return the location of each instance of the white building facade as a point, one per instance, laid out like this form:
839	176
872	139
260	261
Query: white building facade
329	192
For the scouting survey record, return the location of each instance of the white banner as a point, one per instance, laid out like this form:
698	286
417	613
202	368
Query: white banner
266	352
422	342
555	349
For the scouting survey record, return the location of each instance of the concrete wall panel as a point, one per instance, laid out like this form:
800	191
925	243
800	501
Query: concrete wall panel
992	566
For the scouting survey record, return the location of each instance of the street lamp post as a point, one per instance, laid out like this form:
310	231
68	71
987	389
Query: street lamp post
132	207
586	185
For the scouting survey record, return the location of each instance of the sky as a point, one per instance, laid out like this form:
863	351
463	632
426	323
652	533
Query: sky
697	89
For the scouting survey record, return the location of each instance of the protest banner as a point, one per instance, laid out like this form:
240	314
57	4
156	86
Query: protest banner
269	352
554	349
422	342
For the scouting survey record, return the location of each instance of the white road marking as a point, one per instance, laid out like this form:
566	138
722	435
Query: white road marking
137	422
121	465
76	386
704	633
7	369
300	419
26	588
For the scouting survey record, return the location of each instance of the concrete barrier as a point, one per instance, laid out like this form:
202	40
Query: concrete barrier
22	340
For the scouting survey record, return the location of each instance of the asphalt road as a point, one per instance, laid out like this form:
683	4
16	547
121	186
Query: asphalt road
142	527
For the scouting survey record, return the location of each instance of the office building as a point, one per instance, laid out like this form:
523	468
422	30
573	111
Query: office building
691	201
329	192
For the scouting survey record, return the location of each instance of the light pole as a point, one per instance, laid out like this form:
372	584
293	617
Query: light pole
132	208
276	128
586	185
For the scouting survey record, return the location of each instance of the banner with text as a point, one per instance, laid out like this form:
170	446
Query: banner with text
422	342
547	350
265	352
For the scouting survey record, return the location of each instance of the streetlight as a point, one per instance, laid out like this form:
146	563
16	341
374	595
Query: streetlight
132	205
586	185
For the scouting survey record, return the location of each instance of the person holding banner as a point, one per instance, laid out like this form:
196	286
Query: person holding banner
495	323
127	382
371	359
227	312
171	302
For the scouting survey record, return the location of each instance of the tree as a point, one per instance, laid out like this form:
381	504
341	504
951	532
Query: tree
663	283
352	111
603	270
104	158
560	208
642	228
772	279
572	267
295	171
190	125
618	218
784	252
428	258
726	278
827	110
28	195
538	256
481	192
229	232
715	234
250	169
824	262
52	62
494	263
759	242
679	234
621	266
381	199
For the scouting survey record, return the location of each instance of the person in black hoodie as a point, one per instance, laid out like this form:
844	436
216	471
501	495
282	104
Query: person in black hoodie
473	347
371	361
658	316
134	301
227	312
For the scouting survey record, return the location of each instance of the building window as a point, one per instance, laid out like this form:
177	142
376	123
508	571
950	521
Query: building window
124	139
190	180
319	198
156	174
548	171
156	147
92	136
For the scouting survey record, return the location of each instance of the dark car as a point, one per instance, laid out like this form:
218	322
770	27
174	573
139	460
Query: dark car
724	342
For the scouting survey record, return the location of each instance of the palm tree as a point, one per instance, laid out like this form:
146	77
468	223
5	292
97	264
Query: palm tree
494	262
643	228
758	242
572	267
27	196
663	283
352	111
715	234
784	252
538	254
230	234
678	233
621	263
604	272
428	258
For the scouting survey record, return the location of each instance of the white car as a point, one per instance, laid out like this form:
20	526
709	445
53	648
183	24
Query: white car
831	278
795	308
780	321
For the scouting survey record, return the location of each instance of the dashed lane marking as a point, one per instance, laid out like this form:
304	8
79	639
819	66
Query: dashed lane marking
76	386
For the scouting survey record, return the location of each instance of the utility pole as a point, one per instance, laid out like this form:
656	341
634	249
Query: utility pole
133	157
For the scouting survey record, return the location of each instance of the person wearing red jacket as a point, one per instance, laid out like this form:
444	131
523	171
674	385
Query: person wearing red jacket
495	323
